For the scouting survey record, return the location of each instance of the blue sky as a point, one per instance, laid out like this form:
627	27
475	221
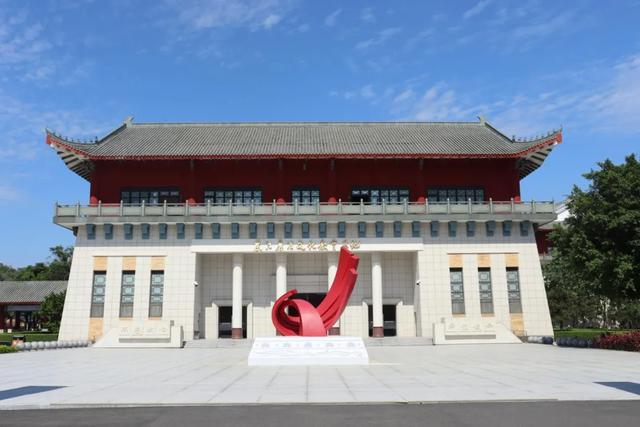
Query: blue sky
81	67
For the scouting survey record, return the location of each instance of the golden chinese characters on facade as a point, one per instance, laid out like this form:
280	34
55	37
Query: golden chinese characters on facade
304	245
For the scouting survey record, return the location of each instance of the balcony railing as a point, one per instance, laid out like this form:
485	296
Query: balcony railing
295	209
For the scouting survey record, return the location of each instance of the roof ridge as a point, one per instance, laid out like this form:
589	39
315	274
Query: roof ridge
300	123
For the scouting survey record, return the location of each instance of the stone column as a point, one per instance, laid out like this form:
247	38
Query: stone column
236	308
332	262
281	274
376	294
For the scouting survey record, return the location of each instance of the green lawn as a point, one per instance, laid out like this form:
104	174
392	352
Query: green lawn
30	336
586	333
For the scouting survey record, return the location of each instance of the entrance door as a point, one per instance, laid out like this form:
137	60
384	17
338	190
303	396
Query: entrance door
224	321
388	320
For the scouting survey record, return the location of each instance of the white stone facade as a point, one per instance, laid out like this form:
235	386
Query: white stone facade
202	275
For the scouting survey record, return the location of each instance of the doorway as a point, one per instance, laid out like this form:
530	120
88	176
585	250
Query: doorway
388	320
224	321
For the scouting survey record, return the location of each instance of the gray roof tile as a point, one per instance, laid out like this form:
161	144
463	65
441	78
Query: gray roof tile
299	139
29	291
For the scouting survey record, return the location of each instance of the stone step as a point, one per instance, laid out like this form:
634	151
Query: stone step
369	342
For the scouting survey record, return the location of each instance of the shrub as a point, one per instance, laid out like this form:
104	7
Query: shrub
7	349
627	342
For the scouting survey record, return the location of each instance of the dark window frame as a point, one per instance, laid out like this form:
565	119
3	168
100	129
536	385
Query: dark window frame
126	307
457	296
376	199
127	195
97	308
514	292
230	194
155	307
440	194
486	293
311	199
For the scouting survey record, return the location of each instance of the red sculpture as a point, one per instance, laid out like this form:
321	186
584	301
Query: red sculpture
312	321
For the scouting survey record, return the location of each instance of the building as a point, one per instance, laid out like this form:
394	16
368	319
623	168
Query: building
542	233
20	302
205	225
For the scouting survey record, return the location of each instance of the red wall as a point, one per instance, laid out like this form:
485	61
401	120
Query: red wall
276	178
543	242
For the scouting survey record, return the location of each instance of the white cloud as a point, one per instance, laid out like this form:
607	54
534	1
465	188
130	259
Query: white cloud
422	37
476	9
618	103
604	98
198	15
379	39
367	92
367	15
8	194
542	28
22	125
271	21
332	18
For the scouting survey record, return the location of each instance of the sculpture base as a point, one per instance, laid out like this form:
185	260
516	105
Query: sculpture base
288	351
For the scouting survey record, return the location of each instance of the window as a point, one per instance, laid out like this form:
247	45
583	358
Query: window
486	292
151	196
97	293
415	229
128	231
305	196
397	229
91	231
108	231
253	230
379	229
215	230
288	230
198	230
127	289
362	229
342	229
322	229
457	291
455	194
513	288
241	196
162	231
375	196
305	230
156	293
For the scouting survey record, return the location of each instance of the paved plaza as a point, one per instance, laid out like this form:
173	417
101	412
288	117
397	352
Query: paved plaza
397	374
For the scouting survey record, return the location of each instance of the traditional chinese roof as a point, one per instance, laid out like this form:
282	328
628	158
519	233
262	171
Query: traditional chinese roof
303	140
30	291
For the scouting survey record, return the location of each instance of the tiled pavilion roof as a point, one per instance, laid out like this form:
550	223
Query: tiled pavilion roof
309	140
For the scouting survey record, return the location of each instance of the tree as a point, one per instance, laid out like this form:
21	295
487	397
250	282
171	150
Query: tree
599	244
57	268
7	272
51	311
571	303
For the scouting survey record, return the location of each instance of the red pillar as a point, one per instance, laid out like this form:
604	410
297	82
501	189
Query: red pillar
3	316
